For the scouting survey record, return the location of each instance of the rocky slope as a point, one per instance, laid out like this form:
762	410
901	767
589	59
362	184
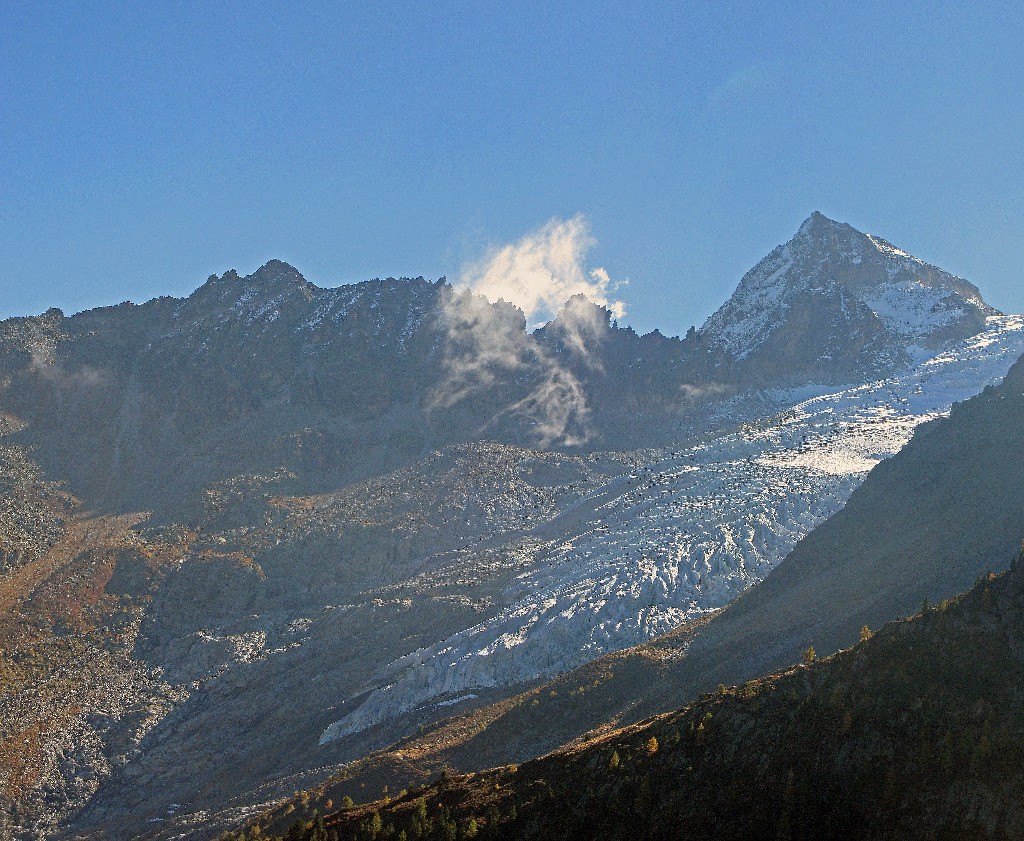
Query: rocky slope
74	701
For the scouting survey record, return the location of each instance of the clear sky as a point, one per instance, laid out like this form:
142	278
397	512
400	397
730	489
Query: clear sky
144	146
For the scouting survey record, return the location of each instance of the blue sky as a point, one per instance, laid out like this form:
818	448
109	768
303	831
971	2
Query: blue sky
144	146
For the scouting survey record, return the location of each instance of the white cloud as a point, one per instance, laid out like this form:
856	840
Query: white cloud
543	270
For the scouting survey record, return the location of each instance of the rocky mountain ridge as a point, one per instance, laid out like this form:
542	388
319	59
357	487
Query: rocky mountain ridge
340	384
333	384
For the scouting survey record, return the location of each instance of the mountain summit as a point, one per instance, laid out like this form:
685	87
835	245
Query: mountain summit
835	304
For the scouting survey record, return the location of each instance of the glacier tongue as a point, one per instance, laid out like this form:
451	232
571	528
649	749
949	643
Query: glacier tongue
687	532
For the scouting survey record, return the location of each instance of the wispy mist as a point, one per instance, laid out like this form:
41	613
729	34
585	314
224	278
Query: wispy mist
527	283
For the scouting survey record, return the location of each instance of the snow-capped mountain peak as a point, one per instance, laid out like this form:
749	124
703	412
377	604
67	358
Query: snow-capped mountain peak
834	302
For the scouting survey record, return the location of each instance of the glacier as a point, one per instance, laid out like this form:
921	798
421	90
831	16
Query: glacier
685	532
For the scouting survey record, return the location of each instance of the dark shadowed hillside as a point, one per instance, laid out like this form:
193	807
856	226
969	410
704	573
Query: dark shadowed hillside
915	733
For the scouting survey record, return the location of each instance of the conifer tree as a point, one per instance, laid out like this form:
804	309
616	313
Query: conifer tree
319	831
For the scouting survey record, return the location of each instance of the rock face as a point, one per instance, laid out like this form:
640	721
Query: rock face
375	505
834	304
141	407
